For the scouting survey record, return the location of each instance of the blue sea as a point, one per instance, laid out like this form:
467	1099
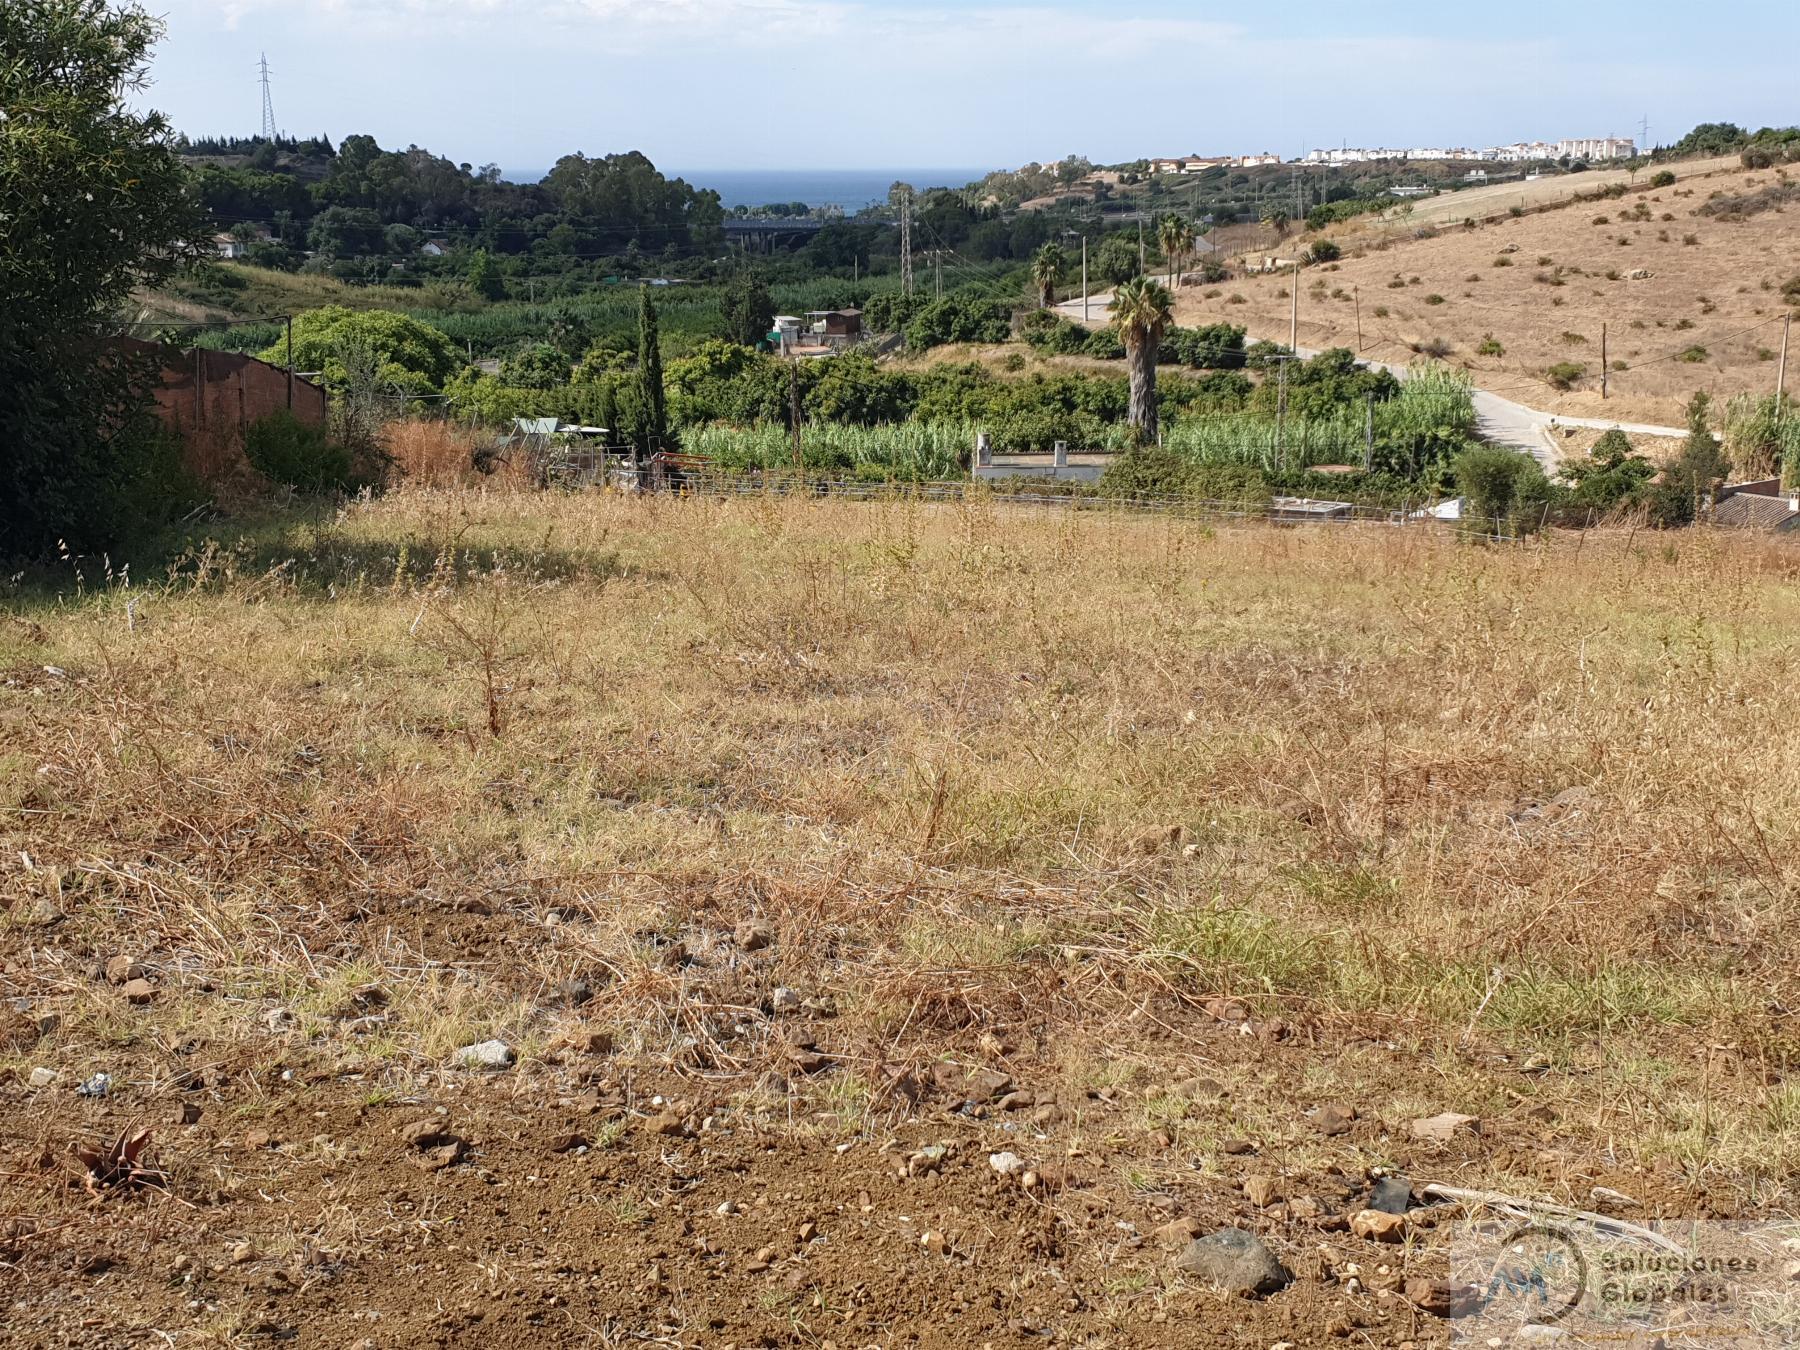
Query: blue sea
850	190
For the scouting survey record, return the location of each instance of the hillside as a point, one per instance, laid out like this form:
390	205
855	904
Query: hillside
1708	316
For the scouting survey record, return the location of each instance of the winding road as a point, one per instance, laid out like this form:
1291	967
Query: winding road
1499	421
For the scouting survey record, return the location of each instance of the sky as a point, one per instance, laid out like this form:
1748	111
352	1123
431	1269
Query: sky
759	84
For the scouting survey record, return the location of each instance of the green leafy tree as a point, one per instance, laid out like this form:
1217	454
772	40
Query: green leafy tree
1116	260
484	276
1505	489
1047	266
1695	472
1610	475
746	308
410	356
537	365
1141	310
653	416
92	206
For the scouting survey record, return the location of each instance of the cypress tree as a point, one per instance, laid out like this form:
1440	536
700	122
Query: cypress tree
654	427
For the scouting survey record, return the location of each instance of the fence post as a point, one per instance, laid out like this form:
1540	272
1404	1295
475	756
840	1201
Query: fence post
984	451
1059	456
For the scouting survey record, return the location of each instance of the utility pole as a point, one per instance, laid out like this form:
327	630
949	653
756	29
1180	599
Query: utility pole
1294	323
1781	370
1603	371
288	319
906	273
1084	293
937	258
1140	241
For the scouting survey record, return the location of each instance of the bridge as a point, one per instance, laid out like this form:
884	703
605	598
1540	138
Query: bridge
765	235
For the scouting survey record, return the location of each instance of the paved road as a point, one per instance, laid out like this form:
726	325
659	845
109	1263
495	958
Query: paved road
1498	420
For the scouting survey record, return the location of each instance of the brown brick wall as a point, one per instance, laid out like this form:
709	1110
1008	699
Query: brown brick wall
208	398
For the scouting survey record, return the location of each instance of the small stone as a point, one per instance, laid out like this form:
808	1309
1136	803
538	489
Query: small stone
243	1253
1540	1333
1236	1148
1234	1261
1378	1225
807	1061
808	1231
754	934
1006	1164
1262	1191
187	1113
670	1123
785	1000
1445	1126
138	992
43	1078
1392	1195
1335	1119
567	1142
255	1139
123	970
488	1055
1049	1114
594	1042
934	1242
424	1133
97	1086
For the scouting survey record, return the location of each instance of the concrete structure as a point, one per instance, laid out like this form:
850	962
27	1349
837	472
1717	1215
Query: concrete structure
209	399
1591	148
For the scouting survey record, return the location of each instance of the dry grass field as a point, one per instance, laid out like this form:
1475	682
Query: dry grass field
1707	317
803	854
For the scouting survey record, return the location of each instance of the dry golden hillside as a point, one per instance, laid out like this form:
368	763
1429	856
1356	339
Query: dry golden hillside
1708	315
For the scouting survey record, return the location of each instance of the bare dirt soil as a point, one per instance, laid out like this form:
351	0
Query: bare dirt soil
1706	314
795	862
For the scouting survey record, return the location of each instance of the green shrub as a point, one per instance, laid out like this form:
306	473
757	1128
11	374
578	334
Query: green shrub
1490	346
1662	179
1563	374
286	450
1504	488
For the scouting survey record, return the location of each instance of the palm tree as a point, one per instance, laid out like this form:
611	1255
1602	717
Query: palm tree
1141	310
1174	237
1046	270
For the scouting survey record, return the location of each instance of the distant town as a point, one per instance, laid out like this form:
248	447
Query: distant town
1590	148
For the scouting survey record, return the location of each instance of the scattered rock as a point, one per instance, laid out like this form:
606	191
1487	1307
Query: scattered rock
1262	1191
46	913
1445	1126
1235	1262
426	1133
670	1123
754	934
568	1142
934	1242
256	1139
97	1086
490	1055
187	1113
1392	1195
1236	1148
43	1078
808	1231
1540	1333
975	1085
1226	1010
1006	1164
243	1253
1378	1225
122	970
1335	1119
594	1042
1200	1090
1048	1114
138	992
785	1000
